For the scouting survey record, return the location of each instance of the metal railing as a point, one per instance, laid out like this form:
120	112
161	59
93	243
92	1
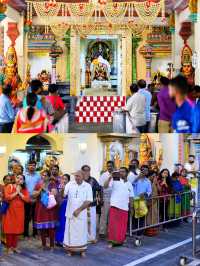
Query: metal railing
162	210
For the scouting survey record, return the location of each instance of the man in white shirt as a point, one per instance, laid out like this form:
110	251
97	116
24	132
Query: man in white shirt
134	171
136	106
120	202
192	165
76	228
106	198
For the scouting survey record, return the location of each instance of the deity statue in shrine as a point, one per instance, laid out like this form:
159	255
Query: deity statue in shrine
50	161
100	69
186	61
145	150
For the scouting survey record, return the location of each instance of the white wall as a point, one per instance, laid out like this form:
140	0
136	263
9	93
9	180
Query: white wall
74	159
39	62
170	150
160	64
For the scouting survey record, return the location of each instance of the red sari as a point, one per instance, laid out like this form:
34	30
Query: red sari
117	228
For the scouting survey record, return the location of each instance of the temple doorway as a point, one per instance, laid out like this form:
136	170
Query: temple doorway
100	61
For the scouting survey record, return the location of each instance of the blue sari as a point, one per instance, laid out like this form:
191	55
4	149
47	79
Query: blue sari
174	208
62	220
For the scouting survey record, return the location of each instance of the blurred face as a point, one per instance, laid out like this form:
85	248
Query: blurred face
79	179
19	180
184	173
45	176
55	171
110	167
144	172
123	173
31	167
7	180
64	179
86	171
191	159
134	164
165	174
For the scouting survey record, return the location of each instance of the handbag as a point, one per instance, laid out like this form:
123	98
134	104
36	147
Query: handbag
44	198
3	207
140	208
51	202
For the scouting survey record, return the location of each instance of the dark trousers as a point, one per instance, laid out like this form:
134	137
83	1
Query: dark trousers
142	129
139	223
48	233
6	128
29	216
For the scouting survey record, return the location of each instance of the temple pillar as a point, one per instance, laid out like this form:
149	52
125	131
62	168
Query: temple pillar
126	62
67	44
61	71
197	45
74	64
135	44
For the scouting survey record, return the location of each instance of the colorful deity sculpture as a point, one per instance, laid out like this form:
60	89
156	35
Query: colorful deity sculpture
186	61
145	149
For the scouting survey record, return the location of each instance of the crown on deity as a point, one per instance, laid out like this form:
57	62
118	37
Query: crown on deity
186	57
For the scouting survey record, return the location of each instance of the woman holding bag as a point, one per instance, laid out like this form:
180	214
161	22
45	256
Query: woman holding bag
46	212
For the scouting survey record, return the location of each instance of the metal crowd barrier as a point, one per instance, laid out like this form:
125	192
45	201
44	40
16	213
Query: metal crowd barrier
163	210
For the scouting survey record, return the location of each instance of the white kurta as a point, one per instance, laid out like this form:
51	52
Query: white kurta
76	228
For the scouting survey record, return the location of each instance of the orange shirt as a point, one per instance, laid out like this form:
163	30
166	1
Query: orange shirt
13	220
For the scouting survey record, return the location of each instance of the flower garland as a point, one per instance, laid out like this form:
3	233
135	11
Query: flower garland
113	12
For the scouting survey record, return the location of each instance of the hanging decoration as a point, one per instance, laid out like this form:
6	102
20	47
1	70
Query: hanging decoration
3	8
97	11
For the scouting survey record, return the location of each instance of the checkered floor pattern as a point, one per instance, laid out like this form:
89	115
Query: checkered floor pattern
98	109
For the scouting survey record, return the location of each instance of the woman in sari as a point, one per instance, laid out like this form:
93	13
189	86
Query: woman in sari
174	208
46	217
30	119
185	199
62	210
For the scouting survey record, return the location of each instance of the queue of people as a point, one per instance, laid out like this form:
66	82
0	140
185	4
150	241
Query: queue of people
36	113
75	210
175	102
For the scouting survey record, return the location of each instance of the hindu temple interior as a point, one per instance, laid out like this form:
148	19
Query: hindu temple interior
91	49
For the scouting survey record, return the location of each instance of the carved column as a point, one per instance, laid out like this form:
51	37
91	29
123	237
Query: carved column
146	50
135	44
67	44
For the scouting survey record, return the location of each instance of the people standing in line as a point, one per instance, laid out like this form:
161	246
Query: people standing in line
192	166
92	212
134	171
31	179
120	203
30	119
167	107
106	199
13	220
76	229
7	114
46	217
142	85
60	230
136	106
182	118
142	190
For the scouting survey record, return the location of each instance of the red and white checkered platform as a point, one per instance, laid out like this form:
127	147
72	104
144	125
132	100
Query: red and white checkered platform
98	109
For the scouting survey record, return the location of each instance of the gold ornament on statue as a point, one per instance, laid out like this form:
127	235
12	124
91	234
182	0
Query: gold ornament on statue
145	149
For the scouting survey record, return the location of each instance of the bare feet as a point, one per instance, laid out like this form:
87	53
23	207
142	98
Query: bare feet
110	246
16	250
69	254
9	251
94	241
83	255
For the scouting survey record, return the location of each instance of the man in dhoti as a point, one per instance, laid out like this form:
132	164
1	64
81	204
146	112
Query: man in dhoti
76	228
92	213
